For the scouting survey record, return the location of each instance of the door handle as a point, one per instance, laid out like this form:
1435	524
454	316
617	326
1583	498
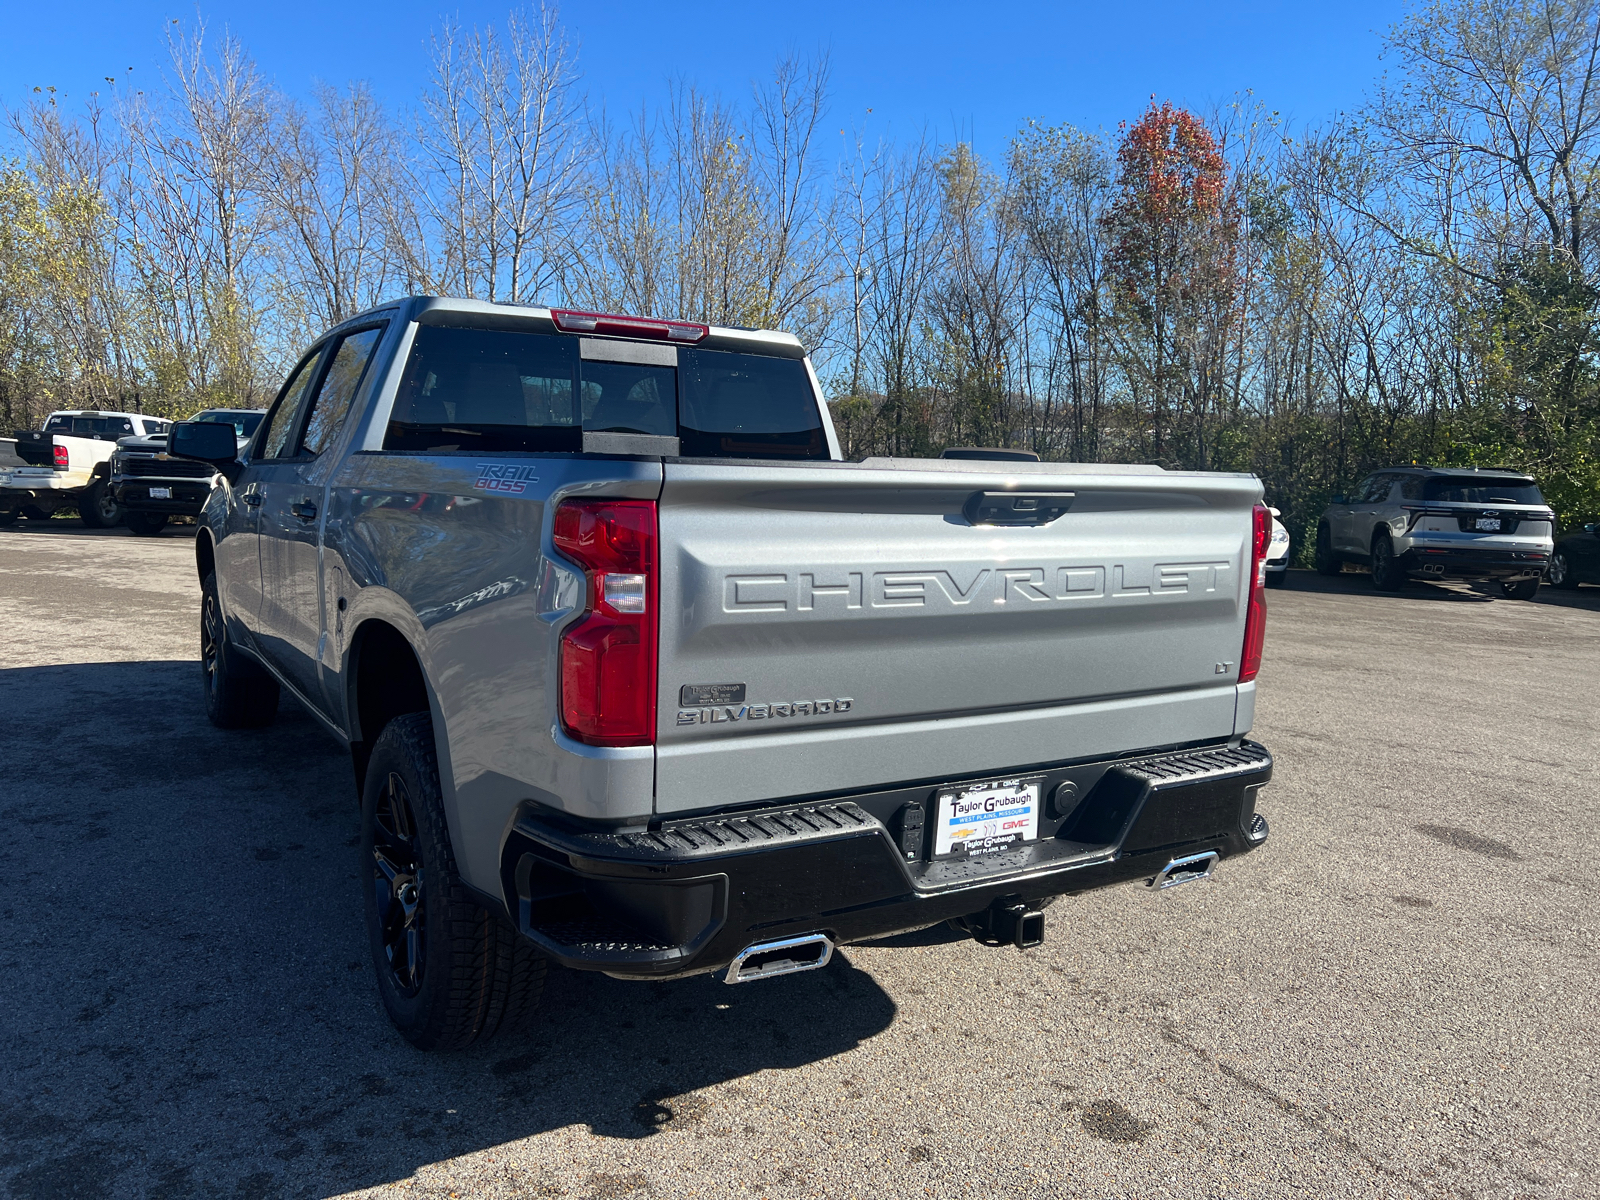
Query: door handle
305	510
252	499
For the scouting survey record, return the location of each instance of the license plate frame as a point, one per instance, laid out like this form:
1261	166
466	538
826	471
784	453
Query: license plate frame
975	820
1489	525
161	493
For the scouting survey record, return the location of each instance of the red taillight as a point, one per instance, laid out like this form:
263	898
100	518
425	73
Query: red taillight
1255	613
571	321
608	657
61	457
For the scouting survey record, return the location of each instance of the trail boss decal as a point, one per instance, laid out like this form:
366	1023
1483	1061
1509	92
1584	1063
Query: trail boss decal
507	478
716	714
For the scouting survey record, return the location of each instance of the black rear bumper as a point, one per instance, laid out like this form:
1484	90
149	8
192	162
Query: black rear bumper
1430	563
689	895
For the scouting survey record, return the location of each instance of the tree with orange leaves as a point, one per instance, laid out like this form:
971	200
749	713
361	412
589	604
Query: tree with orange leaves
1174	231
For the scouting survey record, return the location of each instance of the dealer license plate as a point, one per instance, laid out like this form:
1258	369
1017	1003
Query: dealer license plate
161	493
1488	524
986	818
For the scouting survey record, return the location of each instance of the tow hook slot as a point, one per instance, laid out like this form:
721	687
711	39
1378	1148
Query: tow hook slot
1008	922
1187	870
766	959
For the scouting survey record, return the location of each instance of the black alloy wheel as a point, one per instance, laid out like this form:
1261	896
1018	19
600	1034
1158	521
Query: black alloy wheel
1520	589
98	507
211	635
1386	573
239	694
1560	573
145	524
1326	562
397	886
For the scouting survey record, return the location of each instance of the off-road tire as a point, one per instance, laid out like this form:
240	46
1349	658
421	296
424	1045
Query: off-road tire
98	507
239	692
477	977
1387	575
1560	574
1326	561
145	524
1521	589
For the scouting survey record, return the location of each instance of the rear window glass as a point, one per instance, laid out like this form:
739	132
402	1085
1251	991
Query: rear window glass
100	427
244	423
1475	490
747	405
481	390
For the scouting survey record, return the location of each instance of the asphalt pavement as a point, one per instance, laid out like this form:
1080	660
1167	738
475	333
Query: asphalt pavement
1396	997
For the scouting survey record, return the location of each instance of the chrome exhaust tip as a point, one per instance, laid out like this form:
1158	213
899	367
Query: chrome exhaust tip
783	957
1187	870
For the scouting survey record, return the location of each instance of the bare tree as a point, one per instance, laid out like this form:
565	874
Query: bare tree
497	172
325	179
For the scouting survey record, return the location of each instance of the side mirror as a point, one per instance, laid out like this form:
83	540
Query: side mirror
207	442
1339	499
1589	528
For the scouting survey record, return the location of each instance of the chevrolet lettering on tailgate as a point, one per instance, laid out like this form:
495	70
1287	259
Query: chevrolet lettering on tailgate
832	592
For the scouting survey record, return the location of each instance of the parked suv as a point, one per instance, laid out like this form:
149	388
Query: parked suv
1460	523
153	488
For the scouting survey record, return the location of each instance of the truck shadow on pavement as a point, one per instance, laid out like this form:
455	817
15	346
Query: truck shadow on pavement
188	996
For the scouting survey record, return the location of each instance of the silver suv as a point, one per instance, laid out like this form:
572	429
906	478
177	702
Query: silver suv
1431	523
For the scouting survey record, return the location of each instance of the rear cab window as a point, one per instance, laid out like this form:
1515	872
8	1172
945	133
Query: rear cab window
483	390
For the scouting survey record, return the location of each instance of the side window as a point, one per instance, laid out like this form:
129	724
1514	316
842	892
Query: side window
1359	493
1377	489
282	421
1411	487
339	383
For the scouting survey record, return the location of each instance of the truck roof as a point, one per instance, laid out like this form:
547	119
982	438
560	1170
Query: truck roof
482	314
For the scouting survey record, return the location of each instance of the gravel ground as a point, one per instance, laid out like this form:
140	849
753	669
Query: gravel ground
1395	997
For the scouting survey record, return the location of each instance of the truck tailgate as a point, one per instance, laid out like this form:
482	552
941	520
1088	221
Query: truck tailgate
838	626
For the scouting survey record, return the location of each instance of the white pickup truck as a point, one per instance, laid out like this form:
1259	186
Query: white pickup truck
67	465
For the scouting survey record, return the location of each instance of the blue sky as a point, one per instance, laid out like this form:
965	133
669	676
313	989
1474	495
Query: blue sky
973	69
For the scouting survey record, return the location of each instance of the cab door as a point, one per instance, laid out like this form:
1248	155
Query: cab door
239	548
1341	517
293	491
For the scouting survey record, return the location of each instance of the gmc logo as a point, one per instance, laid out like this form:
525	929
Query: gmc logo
985	588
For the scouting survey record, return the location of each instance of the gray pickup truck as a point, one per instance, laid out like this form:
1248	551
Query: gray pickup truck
638	677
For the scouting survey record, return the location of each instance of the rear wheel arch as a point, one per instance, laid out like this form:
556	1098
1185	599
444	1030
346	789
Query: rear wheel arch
385	680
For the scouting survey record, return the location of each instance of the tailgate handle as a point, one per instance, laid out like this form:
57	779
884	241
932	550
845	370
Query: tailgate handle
1015	508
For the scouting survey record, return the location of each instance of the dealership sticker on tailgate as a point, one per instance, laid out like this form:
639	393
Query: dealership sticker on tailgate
985	818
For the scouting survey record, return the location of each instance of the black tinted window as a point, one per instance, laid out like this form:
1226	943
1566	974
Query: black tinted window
339	383
481	389
1471	490
747	406
280	431
244	423
92	427
630	398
